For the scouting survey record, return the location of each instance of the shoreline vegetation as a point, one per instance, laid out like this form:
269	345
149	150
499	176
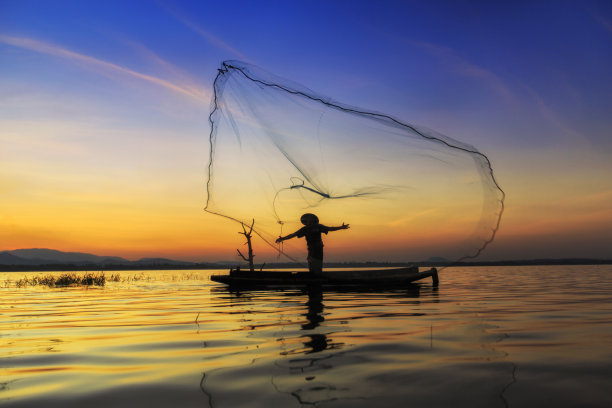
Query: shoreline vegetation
67	279
86	267
76	279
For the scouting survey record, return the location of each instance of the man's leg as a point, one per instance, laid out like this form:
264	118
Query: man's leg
315	265
315	261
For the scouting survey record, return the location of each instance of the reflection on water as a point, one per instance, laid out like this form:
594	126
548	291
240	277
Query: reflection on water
491	337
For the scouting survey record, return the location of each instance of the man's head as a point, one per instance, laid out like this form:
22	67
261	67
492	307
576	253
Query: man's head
309	219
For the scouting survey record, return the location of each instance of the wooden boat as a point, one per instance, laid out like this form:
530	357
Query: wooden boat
358	277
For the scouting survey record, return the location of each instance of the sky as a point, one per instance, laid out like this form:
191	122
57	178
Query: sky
104	111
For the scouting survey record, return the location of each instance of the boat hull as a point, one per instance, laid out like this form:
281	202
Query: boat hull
381	277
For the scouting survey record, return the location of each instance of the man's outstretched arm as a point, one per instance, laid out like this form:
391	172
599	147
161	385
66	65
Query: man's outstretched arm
279	239
343	226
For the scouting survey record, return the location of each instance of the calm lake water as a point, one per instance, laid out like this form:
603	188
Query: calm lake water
487	337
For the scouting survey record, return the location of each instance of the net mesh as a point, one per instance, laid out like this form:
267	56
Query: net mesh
278	150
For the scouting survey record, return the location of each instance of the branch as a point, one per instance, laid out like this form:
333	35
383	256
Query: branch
242	256
251	230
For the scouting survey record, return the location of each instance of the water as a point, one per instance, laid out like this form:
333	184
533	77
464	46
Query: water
487	337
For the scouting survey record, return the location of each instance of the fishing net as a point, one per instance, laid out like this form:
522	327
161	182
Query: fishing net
278	150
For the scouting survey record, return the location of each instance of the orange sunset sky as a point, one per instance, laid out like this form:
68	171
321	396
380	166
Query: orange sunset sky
104	116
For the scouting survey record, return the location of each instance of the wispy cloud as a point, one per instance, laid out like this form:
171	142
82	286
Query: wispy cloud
198	93
164	68
467	68
411	217
549	114
179	75
604	22
498	85
214	40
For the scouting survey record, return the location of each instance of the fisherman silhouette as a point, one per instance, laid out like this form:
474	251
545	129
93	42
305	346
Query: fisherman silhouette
312	231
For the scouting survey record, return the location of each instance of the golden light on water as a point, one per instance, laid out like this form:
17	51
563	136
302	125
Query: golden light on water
153	335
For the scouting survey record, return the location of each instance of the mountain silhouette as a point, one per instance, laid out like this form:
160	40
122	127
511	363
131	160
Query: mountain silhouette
44	256
53	256
10	259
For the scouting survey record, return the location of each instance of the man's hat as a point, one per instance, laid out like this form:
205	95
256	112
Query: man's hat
308	216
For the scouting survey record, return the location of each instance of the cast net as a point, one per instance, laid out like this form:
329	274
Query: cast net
278	150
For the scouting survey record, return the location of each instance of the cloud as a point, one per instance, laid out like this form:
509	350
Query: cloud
498	85
198	93
466	68
604	22
178	74
212	39
549	114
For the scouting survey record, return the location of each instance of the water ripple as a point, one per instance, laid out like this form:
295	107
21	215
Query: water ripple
495	336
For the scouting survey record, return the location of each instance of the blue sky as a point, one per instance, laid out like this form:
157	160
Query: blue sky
391	56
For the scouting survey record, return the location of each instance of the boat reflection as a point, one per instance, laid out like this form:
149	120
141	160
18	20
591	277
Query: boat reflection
314	316
317	339
307	341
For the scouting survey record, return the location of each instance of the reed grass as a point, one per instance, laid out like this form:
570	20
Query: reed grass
68	279
94	279
114	278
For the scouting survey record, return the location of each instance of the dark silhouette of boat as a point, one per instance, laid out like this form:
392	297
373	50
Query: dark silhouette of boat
396	277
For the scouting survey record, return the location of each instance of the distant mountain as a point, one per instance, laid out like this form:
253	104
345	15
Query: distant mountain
233	263
438	259
10	259
160	261
42	256
21	259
